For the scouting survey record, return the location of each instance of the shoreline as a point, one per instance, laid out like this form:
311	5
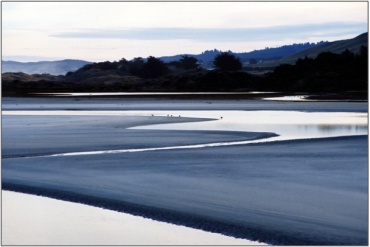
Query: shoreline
206	222
161	103
246	191
88	225
166	216
351	96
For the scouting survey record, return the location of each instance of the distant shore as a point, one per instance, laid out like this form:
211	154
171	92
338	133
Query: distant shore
178	102
319	96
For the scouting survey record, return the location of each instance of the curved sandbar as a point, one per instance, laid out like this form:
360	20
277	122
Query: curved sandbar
303	192
38	135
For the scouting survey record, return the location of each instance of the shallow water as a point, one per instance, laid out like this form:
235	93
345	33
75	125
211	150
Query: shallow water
163	103
288	125
34	220
289	98
150	93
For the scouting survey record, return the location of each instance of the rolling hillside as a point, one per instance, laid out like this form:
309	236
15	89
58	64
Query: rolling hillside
327	68
206	58
45	67
337	47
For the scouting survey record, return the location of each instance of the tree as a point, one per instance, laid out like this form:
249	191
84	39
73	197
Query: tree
136	66
123	65
227	62
105	65
189	62
253	61
154	67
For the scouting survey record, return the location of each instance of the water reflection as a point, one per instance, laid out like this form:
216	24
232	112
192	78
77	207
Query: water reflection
289	98
337	128
282	123
150	93
287	124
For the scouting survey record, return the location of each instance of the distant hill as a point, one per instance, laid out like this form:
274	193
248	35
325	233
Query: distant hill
328	67
272	57
337	47
278	52
44	67
206	58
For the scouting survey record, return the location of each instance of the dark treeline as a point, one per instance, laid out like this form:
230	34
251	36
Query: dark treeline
150	67
328	72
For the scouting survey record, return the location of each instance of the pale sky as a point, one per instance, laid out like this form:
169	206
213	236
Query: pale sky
109	31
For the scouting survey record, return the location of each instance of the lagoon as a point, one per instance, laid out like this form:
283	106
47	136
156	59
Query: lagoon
287	125
308	187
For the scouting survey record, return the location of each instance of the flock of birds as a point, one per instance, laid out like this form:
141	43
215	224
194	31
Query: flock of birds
179	116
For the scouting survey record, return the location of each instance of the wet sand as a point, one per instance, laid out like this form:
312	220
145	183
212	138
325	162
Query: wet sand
28	136
300	192
28	219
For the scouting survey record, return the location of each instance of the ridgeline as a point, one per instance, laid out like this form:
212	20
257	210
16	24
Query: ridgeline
326	73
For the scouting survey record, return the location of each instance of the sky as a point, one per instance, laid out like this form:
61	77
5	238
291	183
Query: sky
109	31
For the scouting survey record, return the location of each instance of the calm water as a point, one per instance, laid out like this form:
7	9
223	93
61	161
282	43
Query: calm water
55	223
290	98
289	125
150	93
